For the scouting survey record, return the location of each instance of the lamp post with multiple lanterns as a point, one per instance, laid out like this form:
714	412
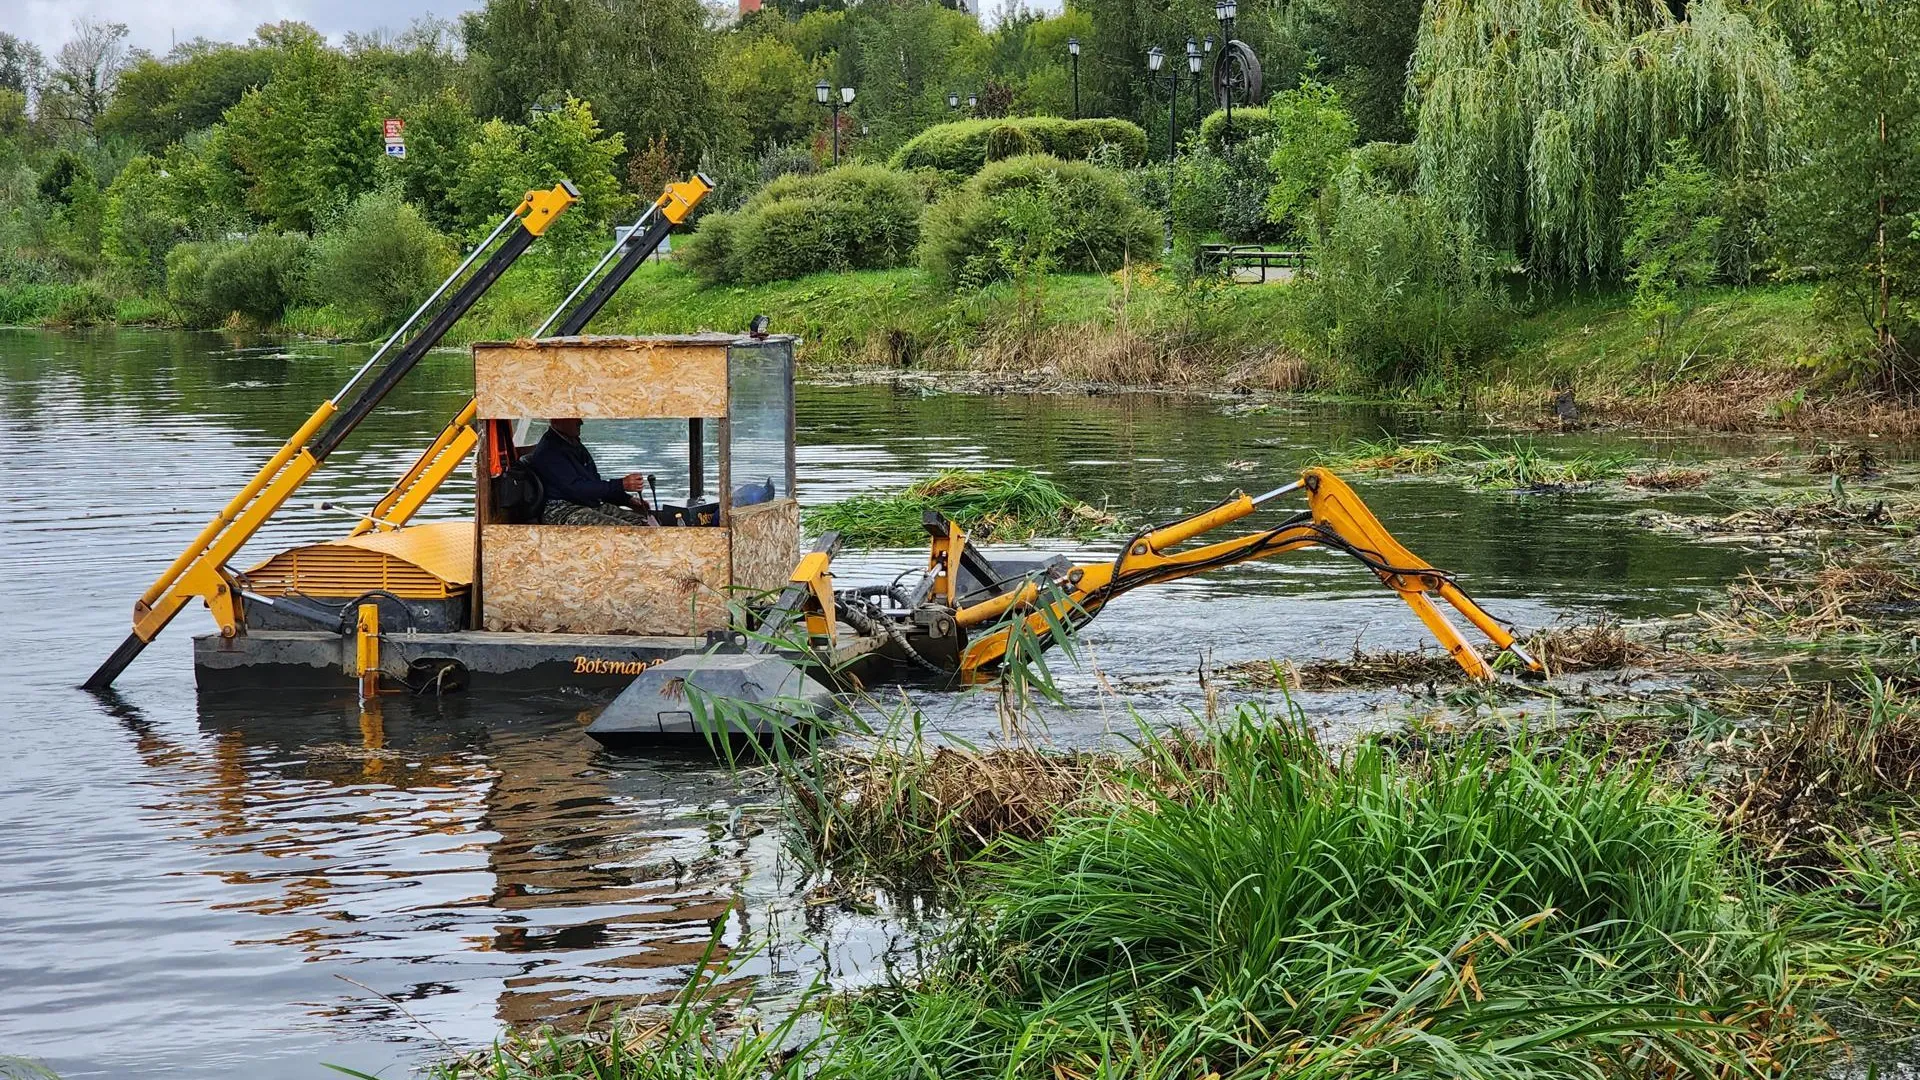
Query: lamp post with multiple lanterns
1156	59
1225	11
823	93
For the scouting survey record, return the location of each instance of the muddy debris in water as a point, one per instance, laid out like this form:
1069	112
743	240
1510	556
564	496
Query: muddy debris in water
1669	478
1854	462
1786	522
1564	650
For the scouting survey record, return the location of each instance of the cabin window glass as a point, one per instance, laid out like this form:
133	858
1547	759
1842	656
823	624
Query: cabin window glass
657	447
760	393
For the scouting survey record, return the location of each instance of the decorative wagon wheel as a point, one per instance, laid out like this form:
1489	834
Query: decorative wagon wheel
1236	76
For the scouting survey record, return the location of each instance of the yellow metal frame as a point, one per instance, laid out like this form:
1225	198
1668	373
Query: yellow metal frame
200	571
1336	511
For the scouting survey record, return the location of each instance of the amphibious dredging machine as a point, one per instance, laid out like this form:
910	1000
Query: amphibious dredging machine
708	624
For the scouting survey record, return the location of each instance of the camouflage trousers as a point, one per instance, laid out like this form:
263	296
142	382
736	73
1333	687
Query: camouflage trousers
562	512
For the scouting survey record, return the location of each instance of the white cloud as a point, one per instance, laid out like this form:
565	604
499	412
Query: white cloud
155	25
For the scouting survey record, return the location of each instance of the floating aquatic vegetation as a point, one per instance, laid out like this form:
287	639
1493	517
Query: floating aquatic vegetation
1513	464
1001	504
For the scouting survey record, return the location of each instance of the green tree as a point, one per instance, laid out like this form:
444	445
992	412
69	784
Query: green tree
309	140
140	227
1537	117
1363	47
440	133
508	160
1849	210
22	67
645	67
1672	238
769	89
158	102
1311	133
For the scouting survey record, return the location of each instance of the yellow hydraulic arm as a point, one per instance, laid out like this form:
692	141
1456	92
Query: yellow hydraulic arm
459	437
201	571
1335	518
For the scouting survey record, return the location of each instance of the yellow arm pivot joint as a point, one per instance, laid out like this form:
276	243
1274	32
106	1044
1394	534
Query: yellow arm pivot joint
682	196
539	209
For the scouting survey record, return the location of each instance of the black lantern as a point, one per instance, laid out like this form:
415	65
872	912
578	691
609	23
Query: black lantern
1073	50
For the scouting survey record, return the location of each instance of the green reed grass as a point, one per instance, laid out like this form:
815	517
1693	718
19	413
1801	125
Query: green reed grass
1513	463
1000	504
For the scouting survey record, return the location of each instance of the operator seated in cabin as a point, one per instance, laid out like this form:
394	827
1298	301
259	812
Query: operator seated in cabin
576	494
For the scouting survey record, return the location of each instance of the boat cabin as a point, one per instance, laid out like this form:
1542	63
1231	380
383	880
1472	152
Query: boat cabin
707	417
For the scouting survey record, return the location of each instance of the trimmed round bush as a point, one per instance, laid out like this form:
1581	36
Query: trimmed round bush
1250	122
962	148
856	217
1010	140
258	278
1037	212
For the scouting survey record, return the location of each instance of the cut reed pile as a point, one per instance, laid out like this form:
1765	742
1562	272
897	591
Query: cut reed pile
1847	594
1564	650
1669	478
1002	504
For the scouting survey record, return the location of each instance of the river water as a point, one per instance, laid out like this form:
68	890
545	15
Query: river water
242	887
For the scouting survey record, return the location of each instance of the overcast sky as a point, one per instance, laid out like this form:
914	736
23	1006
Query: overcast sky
155	24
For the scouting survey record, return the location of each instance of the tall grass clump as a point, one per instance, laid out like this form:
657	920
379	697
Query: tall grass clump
1000	504
1282	910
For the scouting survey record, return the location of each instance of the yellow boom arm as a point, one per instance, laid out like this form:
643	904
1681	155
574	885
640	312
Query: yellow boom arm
200	571
1335	518
458	438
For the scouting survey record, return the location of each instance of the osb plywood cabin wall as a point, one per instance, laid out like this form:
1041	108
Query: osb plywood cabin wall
601	378
766	544
604	579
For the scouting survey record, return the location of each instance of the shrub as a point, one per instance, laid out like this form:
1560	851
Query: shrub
380	260
1310	133
856	217
1095	223
1399	291
961	148
258	278
1673	236
1249	123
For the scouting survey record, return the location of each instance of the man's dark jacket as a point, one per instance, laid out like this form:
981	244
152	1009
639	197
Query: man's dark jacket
567	472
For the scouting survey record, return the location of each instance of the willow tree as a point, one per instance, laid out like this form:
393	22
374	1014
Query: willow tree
1538	117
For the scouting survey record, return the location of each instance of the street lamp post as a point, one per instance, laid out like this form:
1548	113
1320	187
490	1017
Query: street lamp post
953	100
1073	50
1225	11
823	93
1193	75
1156	59
1206	60
973	104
